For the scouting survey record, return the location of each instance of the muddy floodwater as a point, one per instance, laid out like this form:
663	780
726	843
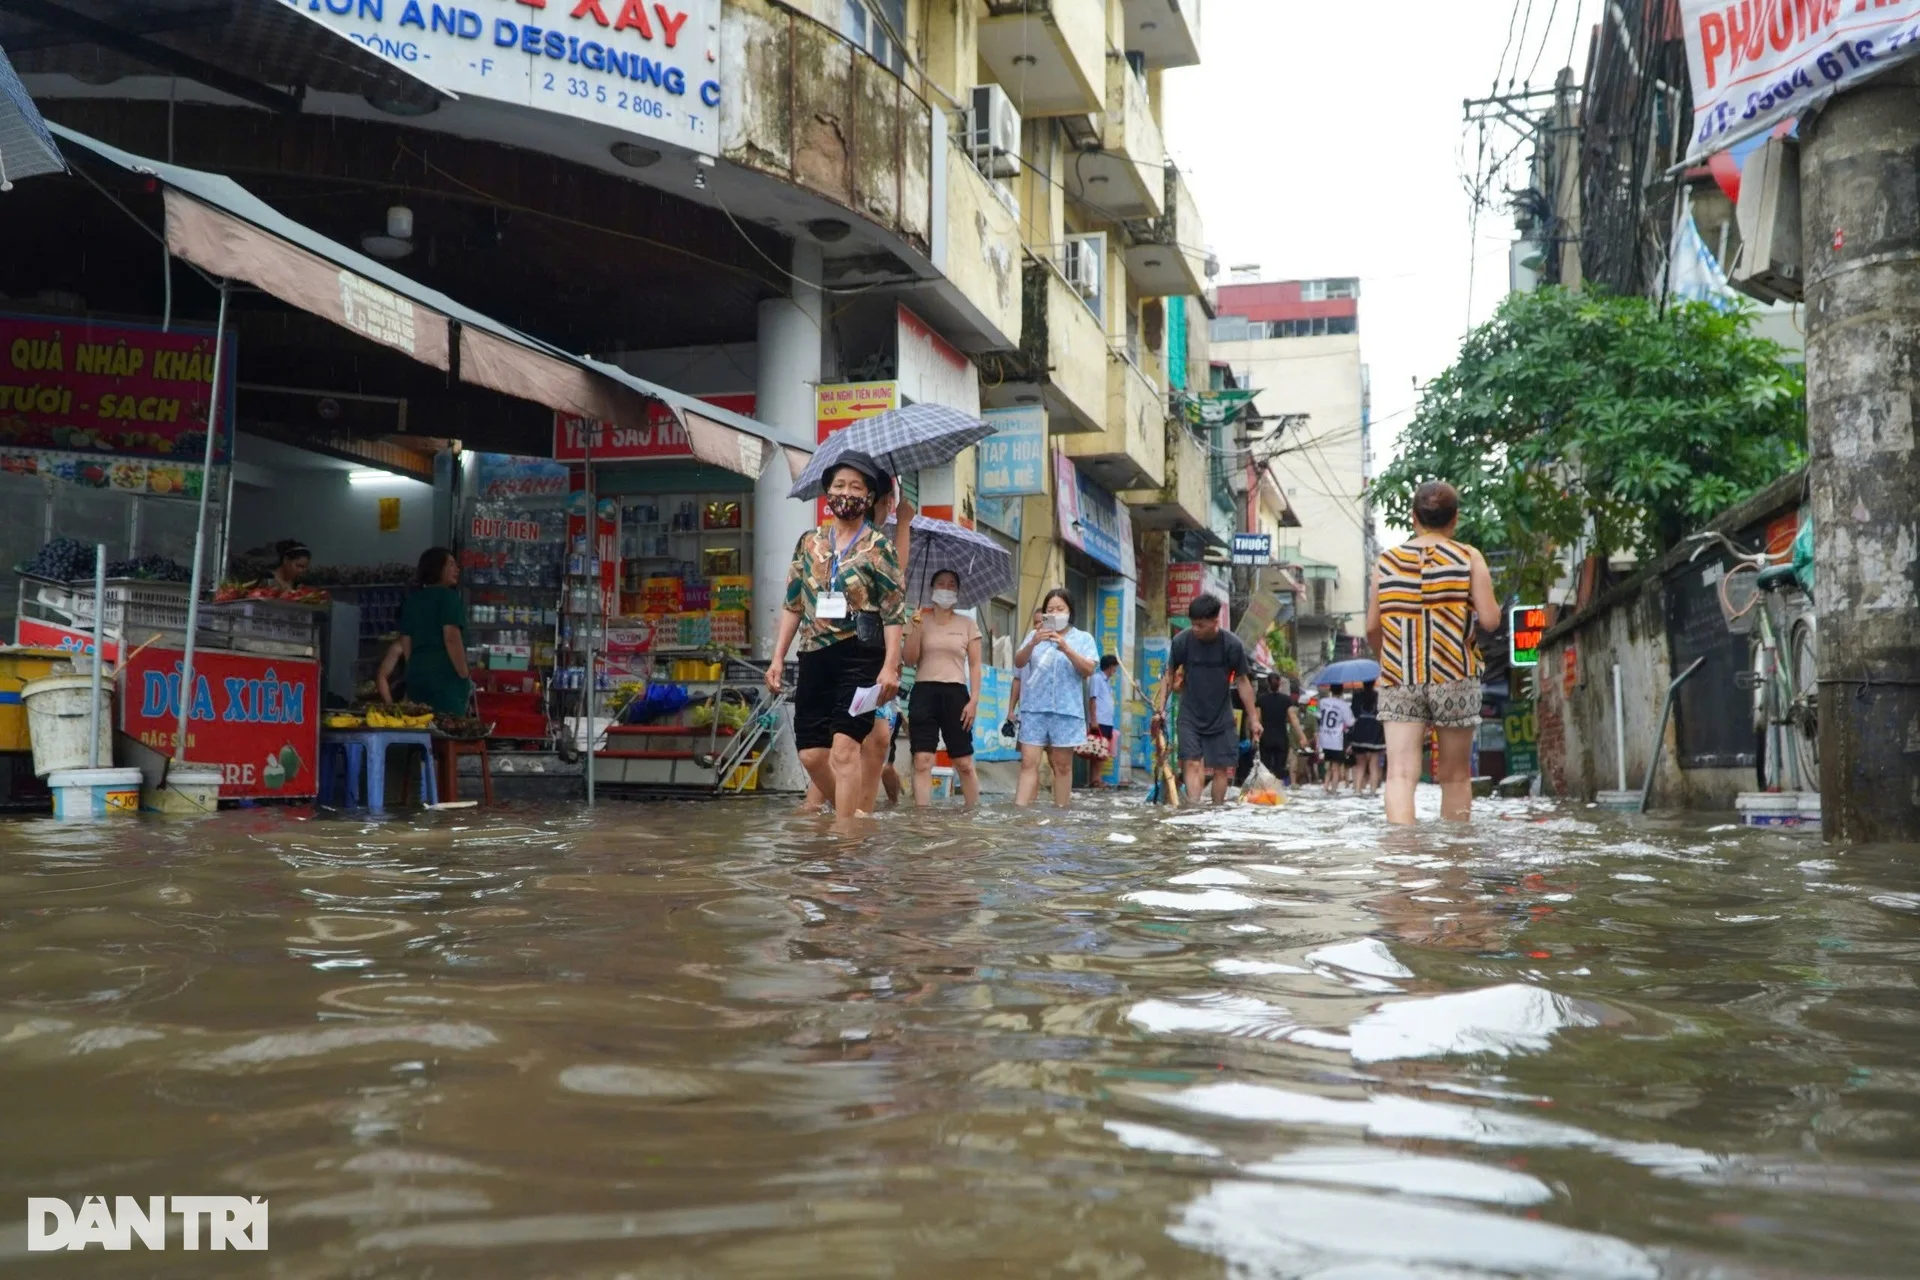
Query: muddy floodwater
682	1041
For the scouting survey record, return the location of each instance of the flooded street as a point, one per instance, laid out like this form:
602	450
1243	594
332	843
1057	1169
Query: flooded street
685	1041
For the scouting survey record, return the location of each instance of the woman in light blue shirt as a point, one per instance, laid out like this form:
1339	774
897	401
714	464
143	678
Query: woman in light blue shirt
1054	660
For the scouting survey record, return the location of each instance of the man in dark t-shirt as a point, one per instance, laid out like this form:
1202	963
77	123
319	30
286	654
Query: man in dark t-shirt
1212	666
1278	709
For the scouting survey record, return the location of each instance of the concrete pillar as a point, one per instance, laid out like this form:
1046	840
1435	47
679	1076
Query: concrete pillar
790	346
1860	203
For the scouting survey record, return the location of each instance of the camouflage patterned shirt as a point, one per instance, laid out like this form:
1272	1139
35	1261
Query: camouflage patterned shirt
869	575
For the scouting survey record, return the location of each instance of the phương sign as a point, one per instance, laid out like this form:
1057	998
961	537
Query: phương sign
1755	63
642	67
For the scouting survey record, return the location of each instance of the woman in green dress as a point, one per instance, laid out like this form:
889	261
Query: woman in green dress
432	639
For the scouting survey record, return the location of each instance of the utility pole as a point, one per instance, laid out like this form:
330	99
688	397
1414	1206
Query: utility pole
1861	253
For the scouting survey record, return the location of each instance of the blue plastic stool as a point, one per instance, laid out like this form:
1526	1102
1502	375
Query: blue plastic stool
349	755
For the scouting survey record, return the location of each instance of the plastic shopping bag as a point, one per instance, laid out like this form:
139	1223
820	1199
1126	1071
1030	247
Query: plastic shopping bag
1262	787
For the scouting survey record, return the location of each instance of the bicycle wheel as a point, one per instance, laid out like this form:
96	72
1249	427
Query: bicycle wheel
1804	733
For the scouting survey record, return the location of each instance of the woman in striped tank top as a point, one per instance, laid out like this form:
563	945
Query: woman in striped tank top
1427	594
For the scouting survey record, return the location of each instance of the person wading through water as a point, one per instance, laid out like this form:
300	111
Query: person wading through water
1428	593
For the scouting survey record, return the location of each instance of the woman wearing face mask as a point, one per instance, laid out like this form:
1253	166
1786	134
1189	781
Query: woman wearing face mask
944	648
845	599
1056	658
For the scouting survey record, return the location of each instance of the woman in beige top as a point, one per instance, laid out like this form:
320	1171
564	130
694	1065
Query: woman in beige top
944	649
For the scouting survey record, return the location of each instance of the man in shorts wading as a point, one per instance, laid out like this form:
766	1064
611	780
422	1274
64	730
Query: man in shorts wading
1215	668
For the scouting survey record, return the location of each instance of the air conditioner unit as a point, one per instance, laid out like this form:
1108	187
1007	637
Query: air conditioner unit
1084	262
1767	266
993	132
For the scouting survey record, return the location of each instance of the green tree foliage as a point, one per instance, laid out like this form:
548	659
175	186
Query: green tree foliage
1567	408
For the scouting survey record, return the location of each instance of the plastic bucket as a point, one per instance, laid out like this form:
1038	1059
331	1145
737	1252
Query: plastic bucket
95	793
188	791
17	667
57	721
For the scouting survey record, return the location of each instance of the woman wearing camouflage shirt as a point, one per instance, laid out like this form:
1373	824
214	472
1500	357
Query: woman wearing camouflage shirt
846	604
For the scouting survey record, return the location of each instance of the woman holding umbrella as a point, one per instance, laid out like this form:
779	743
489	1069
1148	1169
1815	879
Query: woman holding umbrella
944	649
845	603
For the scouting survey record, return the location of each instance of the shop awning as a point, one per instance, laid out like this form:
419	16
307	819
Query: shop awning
225	230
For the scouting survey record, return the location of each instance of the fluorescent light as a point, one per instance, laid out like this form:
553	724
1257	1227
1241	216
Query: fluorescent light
372	477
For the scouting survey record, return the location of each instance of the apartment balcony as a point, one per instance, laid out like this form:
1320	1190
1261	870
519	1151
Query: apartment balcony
1166	31
1049	55
1061	361
1171	260
1132	452
815	113
1186	499
1126	179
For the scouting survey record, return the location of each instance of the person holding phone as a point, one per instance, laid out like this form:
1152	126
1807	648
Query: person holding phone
1056	657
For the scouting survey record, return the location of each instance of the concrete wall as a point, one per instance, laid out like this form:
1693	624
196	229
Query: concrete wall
340	521
983	247
1627	625
1582	760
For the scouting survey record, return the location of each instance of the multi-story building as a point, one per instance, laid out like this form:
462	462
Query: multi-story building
801	210
1296	343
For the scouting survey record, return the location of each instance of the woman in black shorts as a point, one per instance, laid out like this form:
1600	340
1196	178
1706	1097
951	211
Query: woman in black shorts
944	649
1367	741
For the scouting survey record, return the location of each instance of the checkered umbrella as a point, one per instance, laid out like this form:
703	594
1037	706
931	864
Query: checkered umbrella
26	148
984	566
900	441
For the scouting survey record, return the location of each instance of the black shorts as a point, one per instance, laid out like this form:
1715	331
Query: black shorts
934	711
829	678
1219	750
1367	734
1336	756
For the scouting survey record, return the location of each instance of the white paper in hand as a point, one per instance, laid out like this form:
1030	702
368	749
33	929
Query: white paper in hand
865	700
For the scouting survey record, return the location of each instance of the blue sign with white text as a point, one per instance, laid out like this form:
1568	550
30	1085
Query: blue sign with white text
1013	460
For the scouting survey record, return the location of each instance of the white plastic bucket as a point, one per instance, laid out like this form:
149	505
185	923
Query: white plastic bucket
95	793
57	723
1779	809
188	791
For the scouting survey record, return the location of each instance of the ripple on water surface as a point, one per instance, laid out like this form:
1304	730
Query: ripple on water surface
682	1040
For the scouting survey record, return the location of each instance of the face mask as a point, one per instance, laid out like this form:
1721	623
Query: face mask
847	506
1059	621
946	599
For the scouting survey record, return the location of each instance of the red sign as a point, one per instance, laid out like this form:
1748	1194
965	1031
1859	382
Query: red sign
256	718
660	436
839	407
79	387
1185	583
35	634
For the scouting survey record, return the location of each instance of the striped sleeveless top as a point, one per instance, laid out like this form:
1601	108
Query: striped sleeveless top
1426	612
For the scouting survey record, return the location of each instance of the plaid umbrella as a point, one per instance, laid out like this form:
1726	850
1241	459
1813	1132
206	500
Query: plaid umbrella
26	148
985	567
900	441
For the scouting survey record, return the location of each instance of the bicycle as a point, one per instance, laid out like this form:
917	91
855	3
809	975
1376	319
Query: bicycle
1784	681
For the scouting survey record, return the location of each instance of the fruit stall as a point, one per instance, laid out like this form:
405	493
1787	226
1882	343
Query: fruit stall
255	704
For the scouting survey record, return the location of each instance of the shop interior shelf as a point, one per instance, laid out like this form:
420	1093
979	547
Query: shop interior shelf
668	730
